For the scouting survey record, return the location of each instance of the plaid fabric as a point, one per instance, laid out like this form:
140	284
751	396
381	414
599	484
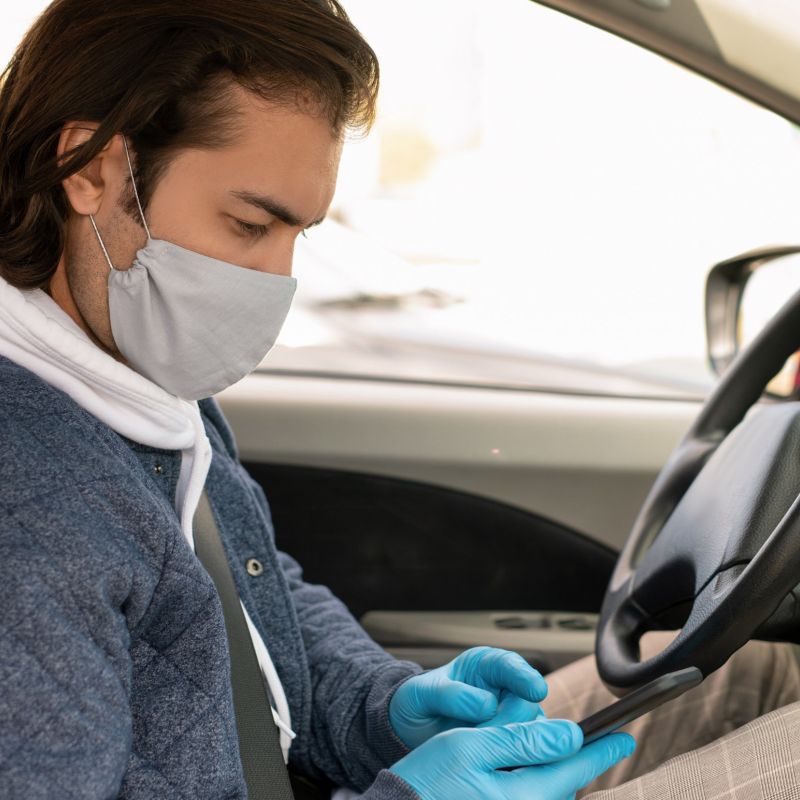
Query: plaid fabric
736	736
760	761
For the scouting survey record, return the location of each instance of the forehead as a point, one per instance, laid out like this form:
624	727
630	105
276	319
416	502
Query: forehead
285	150
297	128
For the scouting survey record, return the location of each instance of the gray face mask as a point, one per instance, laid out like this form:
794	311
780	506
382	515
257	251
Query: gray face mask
192	324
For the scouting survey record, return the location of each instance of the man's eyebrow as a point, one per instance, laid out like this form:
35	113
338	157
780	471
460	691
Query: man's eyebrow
272	207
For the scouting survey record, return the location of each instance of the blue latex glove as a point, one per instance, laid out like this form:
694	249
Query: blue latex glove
468	763
465	693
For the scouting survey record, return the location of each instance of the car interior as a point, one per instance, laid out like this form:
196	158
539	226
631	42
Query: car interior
540	385
452	512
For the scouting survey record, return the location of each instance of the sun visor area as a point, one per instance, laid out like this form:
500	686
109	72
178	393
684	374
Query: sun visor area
678	22
760	37
751	46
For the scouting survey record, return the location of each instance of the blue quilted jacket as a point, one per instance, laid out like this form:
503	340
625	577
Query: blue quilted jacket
114	670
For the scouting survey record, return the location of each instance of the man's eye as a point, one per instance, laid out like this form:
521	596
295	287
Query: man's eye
252	230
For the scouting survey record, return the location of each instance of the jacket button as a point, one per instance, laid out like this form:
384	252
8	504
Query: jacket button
254	567
158	469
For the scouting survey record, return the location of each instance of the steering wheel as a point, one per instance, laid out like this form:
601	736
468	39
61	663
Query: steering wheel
715	549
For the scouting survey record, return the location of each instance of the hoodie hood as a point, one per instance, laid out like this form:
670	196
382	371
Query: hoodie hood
37	334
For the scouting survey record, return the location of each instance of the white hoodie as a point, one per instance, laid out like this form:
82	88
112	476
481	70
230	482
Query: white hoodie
36	333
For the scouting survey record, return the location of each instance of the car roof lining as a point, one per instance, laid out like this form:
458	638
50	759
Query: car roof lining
682	34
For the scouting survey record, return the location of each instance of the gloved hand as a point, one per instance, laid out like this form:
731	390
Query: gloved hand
464	693
466	763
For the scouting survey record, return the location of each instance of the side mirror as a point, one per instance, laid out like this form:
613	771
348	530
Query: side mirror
742	295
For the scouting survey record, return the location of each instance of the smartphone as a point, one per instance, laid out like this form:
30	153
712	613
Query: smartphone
639	702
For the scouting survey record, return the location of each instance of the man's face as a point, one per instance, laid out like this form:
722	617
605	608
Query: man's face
245	203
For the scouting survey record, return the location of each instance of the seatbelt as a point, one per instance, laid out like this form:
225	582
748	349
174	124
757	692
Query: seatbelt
265	771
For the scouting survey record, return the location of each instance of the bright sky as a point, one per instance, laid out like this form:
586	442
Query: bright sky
605	183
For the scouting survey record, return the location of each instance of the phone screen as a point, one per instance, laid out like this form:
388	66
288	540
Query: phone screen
639	702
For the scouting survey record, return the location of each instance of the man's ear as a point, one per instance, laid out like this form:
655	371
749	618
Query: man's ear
86	189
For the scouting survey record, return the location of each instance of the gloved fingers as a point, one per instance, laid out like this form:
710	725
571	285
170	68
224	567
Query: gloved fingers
521	744
502	669
458	701
566	777
513	709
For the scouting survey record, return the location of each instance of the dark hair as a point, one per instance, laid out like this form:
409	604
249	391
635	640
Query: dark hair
156	71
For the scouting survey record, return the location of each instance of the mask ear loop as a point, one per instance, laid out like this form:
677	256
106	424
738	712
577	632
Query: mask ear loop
135	190
138	203
102	244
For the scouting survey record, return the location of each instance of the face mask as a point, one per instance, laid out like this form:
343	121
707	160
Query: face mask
192	324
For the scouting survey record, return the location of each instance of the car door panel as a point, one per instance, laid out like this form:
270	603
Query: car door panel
583	461
389	544
423	500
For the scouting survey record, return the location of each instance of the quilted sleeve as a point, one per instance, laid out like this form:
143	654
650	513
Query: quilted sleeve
389	786
352	680
65	720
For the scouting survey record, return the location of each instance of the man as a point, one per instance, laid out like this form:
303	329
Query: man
157	162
